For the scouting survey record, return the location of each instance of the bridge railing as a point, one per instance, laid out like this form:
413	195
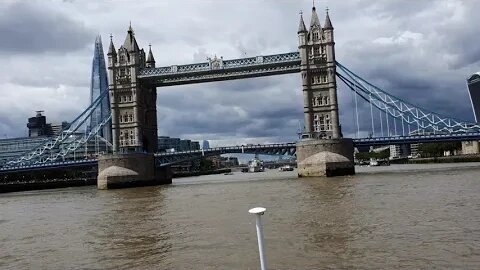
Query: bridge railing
220	64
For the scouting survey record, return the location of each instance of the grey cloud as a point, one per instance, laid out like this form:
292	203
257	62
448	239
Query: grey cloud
426	66
32	27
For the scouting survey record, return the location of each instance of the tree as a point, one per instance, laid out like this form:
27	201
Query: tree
206	165
437	149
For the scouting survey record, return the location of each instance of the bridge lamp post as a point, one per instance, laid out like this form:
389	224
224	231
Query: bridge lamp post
258	212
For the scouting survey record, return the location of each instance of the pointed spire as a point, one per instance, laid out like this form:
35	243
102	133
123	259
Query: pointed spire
150	58
314	20
301	26
328	23
111	48
130	42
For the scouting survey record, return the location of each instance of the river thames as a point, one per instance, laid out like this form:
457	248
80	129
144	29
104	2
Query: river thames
401	216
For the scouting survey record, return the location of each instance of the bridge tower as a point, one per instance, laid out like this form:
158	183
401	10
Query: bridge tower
134	121
317	53
322	151
133	105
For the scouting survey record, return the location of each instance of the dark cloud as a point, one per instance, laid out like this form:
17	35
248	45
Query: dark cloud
421	51
32	27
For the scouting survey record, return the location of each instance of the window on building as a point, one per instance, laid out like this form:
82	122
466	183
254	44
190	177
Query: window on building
324	51
324	78
316	50
315	35
130	118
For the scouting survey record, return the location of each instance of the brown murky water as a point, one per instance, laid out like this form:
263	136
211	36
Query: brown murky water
416	217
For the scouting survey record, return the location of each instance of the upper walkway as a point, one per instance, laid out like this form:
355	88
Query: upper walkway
218	69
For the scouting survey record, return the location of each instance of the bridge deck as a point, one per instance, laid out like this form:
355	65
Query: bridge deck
221	70
164	159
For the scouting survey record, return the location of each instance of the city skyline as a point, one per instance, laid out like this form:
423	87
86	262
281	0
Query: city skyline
413	60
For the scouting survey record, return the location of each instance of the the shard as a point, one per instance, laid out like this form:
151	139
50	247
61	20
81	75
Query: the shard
474	90
99	84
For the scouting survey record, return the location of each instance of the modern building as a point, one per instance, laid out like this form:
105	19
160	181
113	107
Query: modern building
99	85
224	162
399	151
10	148
473	84
166	143
470	147
38	126
205	144
57	128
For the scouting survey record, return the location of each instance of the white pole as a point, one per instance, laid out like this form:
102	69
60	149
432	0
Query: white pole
259	211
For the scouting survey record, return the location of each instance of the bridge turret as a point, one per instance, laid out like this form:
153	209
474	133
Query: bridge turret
150	60
328	23
314	21
112	54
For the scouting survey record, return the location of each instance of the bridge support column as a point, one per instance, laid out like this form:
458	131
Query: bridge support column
130	170
329	157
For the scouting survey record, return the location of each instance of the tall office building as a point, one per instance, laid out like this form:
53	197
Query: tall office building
205	144
474	90
98	85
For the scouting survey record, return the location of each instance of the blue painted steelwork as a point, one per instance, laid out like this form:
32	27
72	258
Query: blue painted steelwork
66	142
423	119
47	154
50	165
378	141
165	159
218	69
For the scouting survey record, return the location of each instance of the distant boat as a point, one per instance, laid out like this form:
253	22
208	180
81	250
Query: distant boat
285	168
255	165
373	162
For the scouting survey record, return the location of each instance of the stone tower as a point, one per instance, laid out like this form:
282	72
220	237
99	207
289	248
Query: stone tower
322	151
317	52
133	105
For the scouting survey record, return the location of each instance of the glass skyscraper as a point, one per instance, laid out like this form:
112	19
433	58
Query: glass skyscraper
99	84
474	90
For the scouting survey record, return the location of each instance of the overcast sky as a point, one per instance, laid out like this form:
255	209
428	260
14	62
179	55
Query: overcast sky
421	51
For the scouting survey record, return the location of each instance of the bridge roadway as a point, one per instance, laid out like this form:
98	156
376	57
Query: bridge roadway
165	159
379	141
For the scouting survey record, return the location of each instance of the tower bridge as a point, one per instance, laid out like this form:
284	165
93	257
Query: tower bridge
132	92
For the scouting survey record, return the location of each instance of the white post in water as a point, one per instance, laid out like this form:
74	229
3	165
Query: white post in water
258	211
